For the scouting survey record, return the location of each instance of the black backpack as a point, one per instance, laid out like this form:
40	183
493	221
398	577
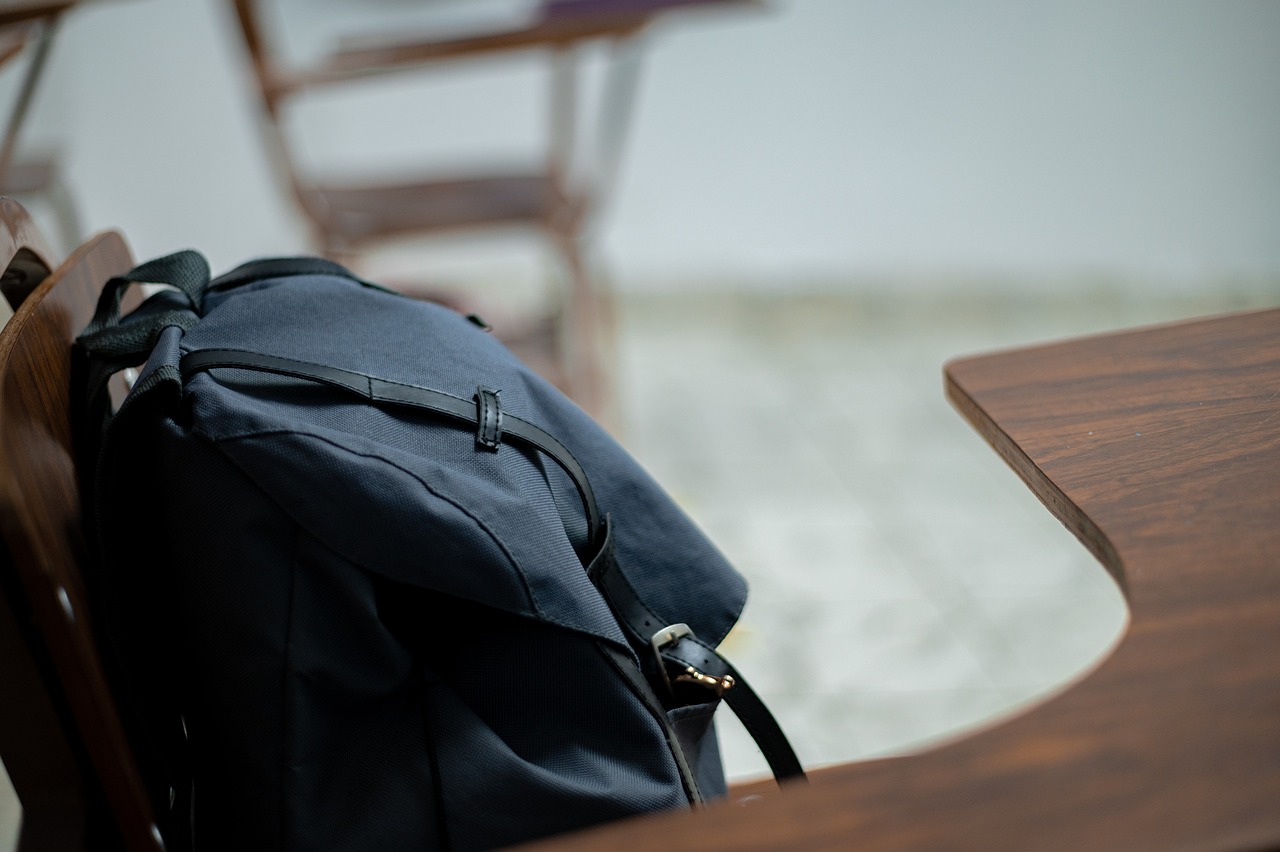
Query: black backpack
370	583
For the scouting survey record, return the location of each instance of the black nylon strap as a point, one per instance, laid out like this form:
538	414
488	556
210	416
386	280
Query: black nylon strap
187	271
132	341
385	392
280	267
690	652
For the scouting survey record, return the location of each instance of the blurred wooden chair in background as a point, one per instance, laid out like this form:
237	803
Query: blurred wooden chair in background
27	29
555	201
61	738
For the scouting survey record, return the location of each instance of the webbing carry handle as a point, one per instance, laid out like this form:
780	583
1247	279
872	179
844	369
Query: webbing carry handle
107	337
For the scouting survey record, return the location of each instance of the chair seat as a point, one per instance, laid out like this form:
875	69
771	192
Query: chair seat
351	215
29	176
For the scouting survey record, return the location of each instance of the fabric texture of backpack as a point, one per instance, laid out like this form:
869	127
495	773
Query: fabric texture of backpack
370	583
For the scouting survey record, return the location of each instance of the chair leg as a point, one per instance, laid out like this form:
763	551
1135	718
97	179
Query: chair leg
64	210
587	343
34	742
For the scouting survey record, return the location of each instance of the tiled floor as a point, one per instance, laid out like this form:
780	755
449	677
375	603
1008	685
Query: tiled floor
906	587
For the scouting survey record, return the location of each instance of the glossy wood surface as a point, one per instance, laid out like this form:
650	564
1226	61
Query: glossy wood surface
40	524
1160	449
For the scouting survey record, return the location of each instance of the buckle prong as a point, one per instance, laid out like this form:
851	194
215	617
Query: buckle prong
718	685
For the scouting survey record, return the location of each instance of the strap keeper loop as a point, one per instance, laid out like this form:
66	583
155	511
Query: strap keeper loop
488	418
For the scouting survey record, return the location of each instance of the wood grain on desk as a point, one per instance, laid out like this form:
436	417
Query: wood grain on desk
1160	449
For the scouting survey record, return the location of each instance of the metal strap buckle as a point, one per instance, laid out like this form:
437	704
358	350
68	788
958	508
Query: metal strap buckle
669	636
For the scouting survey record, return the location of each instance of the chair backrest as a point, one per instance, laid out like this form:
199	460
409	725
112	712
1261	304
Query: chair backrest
61	738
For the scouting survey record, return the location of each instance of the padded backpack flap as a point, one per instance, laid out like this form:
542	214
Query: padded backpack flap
338	322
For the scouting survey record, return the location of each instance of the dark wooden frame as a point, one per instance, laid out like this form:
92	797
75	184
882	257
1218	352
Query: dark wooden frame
61	738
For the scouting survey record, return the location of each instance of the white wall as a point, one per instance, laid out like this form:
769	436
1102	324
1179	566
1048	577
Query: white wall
819	141
1140	137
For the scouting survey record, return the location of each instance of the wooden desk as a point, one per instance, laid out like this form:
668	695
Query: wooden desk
1160	449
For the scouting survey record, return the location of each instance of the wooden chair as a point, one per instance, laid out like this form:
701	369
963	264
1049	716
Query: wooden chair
27	29
61	739
551	201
